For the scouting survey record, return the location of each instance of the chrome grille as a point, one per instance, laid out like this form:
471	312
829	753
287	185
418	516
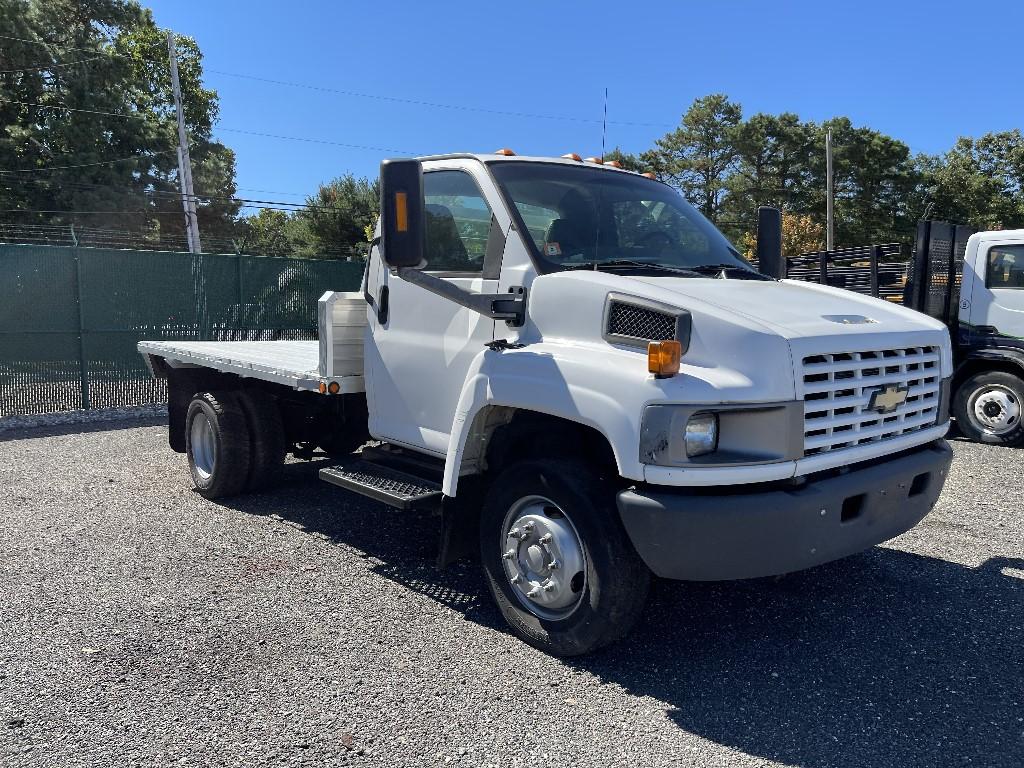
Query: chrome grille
640	322
838	387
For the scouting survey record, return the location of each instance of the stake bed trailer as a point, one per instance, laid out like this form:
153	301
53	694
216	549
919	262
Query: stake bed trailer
586	381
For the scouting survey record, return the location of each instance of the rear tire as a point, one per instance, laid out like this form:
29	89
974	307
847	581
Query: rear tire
267	441
596	591
989	408
217	444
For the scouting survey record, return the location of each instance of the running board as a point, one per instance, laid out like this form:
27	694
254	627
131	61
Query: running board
390	486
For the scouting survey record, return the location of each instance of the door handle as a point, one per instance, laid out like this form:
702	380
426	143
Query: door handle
383	305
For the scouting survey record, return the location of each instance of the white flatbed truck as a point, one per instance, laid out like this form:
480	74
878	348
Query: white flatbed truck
591	386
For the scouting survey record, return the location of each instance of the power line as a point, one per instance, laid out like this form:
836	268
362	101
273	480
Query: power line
88	165
51	44
228	130
70	109
273	192
320	141
384	97
282	205
434	104
49	65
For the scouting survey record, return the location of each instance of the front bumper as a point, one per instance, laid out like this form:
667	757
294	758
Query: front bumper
701	537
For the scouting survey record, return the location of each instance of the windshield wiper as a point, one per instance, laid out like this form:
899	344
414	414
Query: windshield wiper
748	274
614	263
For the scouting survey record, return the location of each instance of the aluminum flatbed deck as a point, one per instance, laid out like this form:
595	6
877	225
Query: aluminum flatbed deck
293	363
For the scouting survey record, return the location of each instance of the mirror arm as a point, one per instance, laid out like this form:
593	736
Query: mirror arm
510	306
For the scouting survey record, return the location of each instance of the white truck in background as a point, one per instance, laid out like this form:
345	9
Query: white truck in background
590	385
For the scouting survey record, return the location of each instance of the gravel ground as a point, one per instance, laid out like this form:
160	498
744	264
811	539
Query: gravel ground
142	625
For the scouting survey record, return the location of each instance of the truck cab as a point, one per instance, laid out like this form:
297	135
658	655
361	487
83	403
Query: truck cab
590	385
990	339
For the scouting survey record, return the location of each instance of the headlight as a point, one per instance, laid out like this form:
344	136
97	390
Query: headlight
701	434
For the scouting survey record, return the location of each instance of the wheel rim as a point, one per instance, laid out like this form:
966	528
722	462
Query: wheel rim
204	447
543	558
996	409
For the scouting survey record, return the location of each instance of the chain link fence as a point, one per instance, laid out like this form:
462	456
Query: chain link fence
70	317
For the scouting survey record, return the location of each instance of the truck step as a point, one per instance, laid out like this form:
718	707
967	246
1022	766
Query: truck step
386	484
404	460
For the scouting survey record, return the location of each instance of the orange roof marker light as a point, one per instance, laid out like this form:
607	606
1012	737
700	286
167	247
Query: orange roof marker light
649	175
505	151
597	160
613	163
573	156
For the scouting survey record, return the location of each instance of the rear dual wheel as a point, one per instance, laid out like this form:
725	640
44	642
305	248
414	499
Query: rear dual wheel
234	442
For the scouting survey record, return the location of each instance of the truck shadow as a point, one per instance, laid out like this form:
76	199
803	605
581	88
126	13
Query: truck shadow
885	658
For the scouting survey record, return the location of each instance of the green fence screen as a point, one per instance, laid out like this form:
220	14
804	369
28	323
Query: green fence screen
70	317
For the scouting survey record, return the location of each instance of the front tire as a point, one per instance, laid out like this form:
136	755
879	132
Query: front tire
217	444
989	408
558	562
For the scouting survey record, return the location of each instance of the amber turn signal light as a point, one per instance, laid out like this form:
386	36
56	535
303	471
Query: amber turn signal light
401	212
663	358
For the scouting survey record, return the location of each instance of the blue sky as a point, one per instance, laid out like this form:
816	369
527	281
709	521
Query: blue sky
924	72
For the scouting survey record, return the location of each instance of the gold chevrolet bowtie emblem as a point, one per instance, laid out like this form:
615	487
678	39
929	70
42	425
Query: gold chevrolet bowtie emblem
888	398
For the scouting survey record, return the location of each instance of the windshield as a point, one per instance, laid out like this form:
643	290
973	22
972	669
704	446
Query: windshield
580	216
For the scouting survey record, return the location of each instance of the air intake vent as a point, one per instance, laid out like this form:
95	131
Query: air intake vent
635	322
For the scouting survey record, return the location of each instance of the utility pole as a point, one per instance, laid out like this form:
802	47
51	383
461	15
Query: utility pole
188	196
830	214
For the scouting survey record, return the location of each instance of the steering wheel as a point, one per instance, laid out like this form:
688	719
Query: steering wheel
657	240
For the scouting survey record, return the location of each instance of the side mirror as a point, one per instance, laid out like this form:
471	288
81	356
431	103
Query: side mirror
769	242
401	211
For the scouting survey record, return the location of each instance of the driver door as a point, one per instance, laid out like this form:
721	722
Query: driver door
417	361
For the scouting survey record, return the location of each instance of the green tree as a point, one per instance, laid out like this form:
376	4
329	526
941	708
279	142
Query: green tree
877	184
772	168
628	161
338	215
267	234
113	162
981	181
699	156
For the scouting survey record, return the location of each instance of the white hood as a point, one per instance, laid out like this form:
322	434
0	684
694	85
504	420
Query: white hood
795	309
742	329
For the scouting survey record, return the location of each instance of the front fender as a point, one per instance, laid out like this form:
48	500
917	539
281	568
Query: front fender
600	388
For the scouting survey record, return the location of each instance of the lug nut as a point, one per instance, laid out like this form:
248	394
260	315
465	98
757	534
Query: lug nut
529	526
549	586
554	565
516	579
533	594
546	538
515	533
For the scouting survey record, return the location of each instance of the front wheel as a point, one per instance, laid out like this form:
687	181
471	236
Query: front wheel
988	408
558	562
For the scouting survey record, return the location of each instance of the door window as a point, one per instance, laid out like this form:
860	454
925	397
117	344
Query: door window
457	222
1005	267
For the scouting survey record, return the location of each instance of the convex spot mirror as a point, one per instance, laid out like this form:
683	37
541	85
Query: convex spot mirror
401	209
